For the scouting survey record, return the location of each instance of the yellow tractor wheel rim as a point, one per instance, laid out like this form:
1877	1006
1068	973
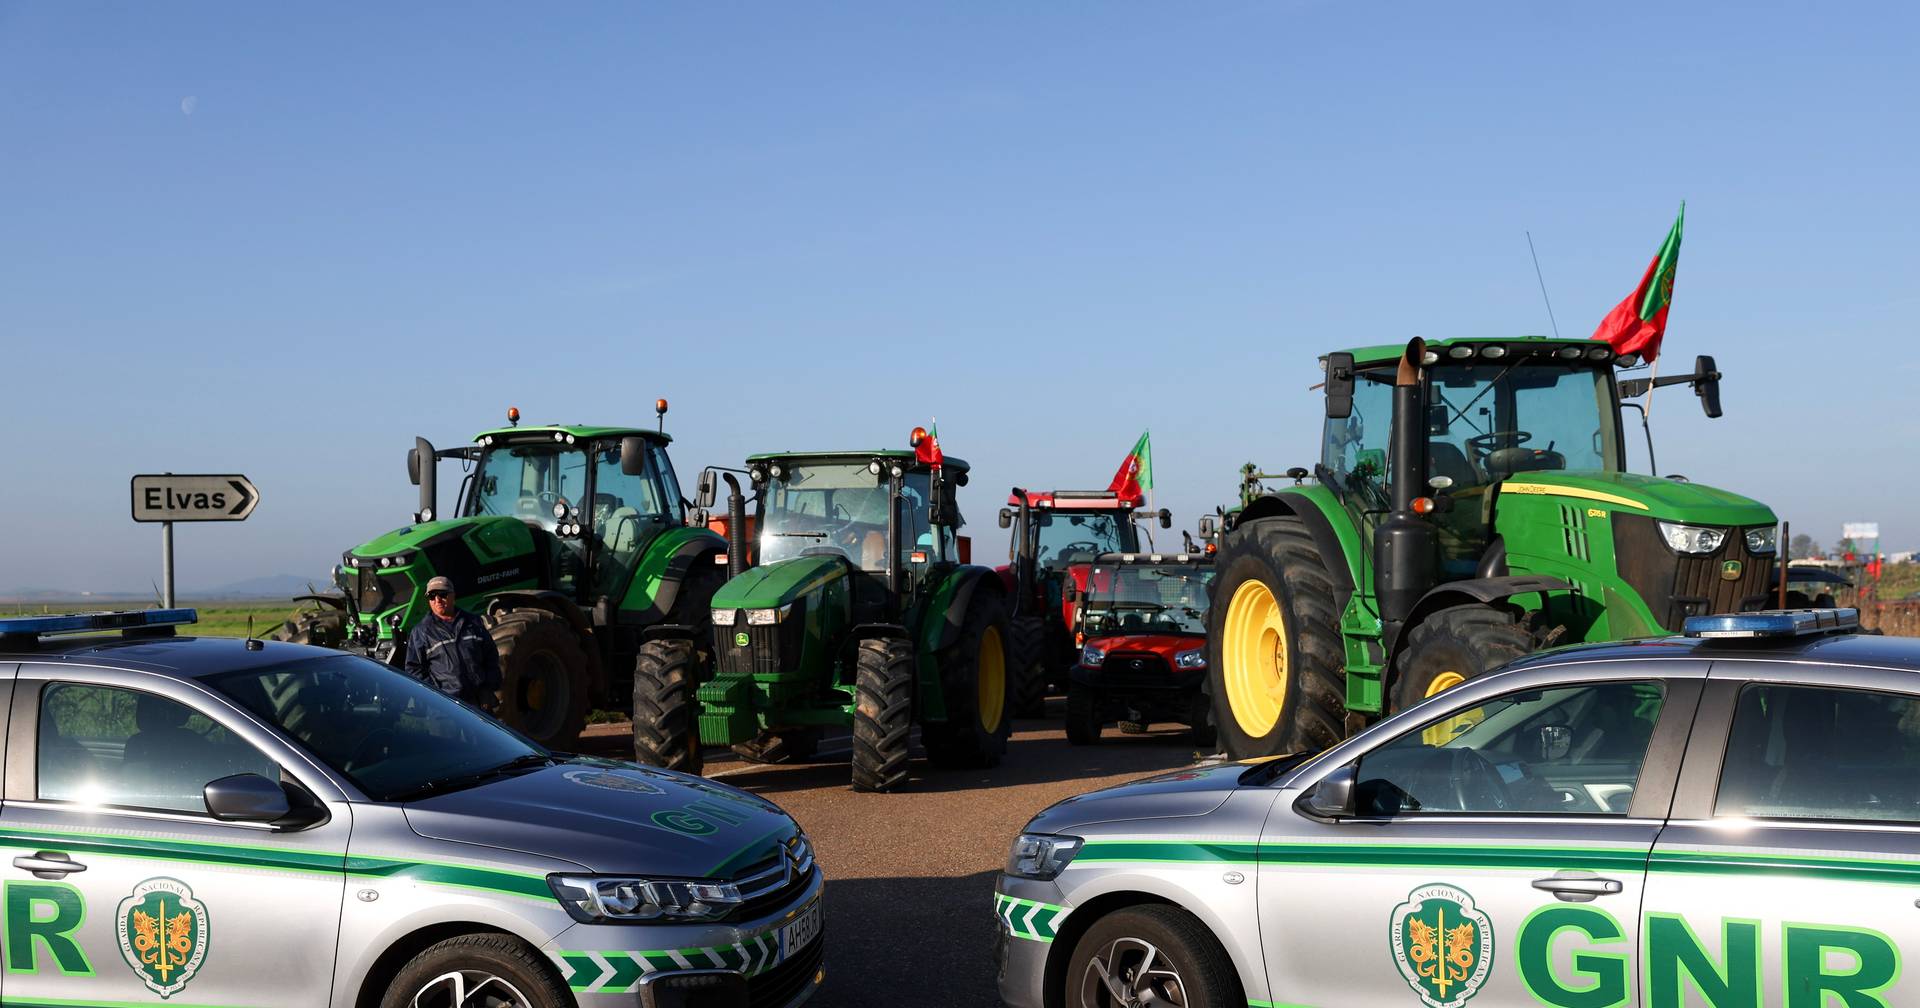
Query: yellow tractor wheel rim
1442	732
1253	658
1445	681
992	680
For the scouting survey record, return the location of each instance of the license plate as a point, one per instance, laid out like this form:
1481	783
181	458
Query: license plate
801	932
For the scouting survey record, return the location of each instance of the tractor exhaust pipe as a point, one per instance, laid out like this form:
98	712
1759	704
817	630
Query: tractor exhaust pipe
1405	546
736	527
421	472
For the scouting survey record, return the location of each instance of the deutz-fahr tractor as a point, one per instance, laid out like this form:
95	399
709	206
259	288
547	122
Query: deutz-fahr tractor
1471	504
570	540
860	610
1056	536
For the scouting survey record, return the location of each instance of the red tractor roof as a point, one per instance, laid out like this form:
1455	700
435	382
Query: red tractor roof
1078	500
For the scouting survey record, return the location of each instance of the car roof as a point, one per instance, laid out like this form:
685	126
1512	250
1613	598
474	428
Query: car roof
1856	649
175	657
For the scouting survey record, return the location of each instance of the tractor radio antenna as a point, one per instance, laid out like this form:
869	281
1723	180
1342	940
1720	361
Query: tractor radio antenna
1543	286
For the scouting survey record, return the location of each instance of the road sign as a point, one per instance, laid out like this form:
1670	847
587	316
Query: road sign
172	497
1860	530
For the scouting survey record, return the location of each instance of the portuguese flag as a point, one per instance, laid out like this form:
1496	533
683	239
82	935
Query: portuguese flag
926	448
1636	325
1135	475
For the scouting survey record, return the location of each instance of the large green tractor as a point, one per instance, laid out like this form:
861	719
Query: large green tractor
1471	504
570	540
860	611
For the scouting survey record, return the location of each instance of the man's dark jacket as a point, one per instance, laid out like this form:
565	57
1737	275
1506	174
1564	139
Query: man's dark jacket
455	656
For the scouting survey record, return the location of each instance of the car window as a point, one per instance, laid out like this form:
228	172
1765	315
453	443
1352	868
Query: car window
102	745
1569	749
1809	752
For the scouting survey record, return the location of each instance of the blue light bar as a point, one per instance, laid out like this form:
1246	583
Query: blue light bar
1773	623
95	622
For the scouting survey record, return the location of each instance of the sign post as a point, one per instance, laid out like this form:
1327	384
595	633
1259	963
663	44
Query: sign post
169	497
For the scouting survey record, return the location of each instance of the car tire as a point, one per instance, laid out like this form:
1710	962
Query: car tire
509	967
882	714
1030	667
666	710
1183	950
544	677
1083	715
973	677
1275	663
1454	646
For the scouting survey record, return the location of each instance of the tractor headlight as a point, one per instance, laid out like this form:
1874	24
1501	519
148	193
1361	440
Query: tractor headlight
1196	658
1692	538
599	899
1764	539
725	617
768	617
1041	856
1092	657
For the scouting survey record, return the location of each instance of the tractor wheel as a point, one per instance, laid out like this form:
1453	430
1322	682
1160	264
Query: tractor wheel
1083	715
543	676
666	713
319	627
1029	667
882	714
973	678
1274	657
1454	646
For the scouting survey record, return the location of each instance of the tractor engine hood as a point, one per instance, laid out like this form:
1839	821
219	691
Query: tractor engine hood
773	585
1652	496
480	554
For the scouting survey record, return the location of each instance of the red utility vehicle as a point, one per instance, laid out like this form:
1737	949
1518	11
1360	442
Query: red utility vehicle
1142	620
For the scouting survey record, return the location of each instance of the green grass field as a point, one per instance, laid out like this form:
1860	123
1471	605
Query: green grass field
218	618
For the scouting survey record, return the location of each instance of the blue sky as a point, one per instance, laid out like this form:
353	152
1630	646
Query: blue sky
282	242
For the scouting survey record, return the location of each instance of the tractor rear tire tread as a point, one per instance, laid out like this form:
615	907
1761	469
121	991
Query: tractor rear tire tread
1470	640
1029	667
882	714
1083	716
961	742
666	712
531	630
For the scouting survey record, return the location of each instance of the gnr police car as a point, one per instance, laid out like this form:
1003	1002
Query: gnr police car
211	822
1727	818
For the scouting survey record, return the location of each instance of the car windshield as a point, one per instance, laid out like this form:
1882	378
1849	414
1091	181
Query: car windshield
1490	419
839	509
1065	538
1141	598
392	736
529	480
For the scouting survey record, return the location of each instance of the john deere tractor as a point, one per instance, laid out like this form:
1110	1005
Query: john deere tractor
1471	504
860	611
570	540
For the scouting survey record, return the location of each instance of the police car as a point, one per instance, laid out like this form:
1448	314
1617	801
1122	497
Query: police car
1727	818
224	822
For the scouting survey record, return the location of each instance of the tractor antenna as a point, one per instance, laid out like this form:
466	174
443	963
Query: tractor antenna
1543	286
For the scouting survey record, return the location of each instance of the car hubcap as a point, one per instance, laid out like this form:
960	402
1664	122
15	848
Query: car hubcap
992	680
469	989
1253	653
1131	973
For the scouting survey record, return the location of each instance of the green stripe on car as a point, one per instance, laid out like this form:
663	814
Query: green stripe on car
1029	919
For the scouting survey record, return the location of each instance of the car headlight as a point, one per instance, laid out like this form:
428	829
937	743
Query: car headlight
725	617
768	617
600	899
1692	538
1196	658
1041	856
1092	656
1764	539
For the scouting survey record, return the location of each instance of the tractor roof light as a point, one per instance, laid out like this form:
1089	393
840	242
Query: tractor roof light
1772	623
659	407
1460	352
919	434
897	471
1423	505
1493	352
1627	360
513	416
1568	353
1429	357
1599	353
874	467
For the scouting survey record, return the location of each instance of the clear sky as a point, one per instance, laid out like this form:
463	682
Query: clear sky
283	241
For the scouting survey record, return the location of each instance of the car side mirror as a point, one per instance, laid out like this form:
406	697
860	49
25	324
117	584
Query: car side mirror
1166	518
1332	798
1206	527
249	797
1006	518
1339	386
633	455
708	491
1708	386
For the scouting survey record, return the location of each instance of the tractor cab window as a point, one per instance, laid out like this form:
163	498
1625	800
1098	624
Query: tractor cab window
1064	538
628	511
529	482
1142	599
1489	420
1355	450
839	509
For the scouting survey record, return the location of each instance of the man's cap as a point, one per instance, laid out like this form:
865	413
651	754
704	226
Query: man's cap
439	584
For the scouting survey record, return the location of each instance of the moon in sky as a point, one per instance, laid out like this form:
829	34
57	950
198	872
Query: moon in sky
188	104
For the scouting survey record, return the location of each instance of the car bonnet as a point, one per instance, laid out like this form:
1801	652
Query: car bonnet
1194	791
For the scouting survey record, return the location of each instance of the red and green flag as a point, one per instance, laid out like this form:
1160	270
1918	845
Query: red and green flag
1636	325
1135	475
926	447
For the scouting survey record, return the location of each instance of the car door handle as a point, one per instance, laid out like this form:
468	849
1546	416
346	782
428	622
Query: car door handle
48	864
1578	888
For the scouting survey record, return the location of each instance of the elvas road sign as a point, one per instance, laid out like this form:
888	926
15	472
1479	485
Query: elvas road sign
180	497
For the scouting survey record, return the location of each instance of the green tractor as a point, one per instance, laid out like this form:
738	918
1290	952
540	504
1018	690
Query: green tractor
570	540
1471	504
861	611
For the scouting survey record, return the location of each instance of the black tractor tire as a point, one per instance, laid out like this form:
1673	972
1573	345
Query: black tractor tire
978	690
1274	596
666	709
882	714
1454	646
1083	715
505	965
319	627
1180	945
1030	667
544	676
1200	728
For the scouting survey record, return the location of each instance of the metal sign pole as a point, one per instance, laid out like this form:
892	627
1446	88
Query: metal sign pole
166	565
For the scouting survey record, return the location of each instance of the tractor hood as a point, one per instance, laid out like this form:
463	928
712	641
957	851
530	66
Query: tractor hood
773	585
491	533
1652	496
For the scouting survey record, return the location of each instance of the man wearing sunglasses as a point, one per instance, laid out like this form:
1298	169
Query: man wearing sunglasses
452	651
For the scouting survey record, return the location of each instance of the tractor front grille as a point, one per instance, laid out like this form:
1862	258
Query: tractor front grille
372	591
1676	586
743	650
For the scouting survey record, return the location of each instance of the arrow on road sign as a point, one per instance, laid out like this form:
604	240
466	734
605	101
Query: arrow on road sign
172	497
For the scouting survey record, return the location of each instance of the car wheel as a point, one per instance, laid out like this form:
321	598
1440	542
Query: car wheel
476	971
1150	955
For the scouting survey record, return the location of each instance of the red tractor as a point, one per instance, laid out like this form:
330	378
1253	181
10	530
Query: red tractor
1057	535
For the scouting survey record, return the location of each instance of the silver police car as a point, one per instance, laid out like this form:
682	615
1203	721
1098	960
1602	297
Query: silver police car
225	822
1726	818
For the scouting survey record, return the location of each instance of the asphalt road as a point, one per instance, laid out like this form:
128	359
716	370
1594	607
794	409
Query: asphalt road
910	874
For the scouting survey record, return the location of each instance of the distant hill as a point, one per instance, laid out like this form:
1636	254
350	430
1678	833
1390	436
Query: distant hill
272	586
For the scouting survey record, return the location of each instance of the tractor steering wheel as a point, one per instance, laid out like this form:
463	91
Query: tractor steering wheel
1082	546
1486	444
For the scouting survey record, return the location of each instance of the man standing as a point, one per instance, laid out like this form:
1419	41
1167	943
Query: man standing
452	651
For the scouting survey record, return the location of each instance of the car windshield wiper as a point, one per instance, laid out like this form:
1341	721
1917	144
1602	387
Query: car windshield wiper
442	785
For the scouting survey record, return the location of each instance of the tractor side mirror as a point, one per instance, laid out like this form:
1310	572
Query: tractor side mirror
709	489
1206	526
1339	386
1006	518
1708	386
420	469
1166	518
633	456
413	465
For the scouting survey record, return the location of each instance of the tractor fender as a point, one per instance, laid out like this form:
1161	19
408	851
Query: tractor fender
662	570
947	609
1483	590
1305	504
